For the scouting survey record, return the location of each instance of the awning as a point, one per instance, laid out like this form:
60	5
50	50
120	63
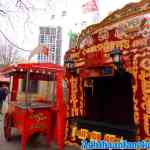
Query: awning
4	79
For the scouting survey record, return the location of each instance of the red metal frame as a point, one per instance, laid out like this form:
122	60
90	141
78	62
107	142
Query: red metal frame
49	121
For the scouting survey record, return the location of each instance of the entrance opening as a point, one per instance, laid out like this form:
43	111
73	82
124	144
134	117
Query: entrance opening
110	99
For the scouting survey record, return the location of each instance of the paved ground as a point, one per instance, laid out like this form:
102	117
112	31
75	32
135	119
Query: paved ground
34	144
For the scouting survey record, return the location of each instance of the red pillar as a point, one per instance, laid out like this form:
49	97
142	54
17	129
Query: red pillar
14	87
61	114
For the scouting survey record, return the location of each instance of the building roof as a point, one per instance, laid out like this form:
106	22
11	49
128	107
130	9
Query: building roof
128	11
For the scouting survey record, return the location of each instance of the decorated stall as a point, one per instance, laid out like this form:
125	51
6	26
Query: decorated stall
108	78
35	104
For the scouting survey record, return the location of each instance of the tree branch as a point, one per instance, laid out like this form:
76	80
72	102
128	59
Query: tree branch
13	44
2	12
21	4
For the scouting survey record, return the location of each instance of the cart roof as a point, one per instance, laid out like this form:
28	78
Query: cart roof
34	67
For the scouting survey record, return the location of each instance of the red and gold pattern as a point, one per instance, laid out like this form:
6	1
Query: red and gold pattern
125	29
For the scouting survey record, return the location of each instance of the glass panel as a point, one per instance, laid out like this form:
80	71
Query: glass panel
65	91
33	86
116	59
42	87
51	90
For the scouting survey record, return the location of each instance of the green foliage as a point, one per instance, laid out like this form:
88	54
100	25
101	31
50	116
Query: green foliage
71	35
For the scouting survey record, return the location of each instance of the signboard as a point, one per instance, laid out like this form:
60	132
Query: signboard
85	134
129	36
107	71
97	72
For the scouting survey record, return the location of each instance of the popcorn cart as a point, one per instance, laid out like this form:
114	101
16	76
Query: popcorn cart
35	102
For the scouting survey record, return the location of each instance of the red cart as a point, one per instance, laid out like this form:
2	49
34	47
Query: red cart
35	102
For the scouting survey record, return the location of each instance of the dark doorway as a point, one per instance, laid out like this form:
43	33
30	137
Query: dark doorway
110	99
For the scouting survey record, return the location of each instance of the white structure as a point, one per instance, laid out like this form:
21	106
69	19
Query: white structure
52	37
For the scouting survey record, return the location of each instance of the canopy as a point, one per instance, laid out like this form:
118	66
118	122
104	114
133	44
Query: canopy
32	67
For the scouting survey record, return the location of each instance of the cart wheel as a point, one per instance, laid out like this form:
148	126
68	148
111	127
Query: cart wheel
7	127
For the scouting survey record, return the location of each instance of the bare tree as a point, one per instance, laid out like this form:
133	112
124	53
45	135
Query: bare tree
14	14
21	14
21	19
8	55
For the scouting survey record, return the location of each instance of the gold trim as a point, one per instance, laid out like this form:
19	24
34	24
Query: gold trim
72	144
128	11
